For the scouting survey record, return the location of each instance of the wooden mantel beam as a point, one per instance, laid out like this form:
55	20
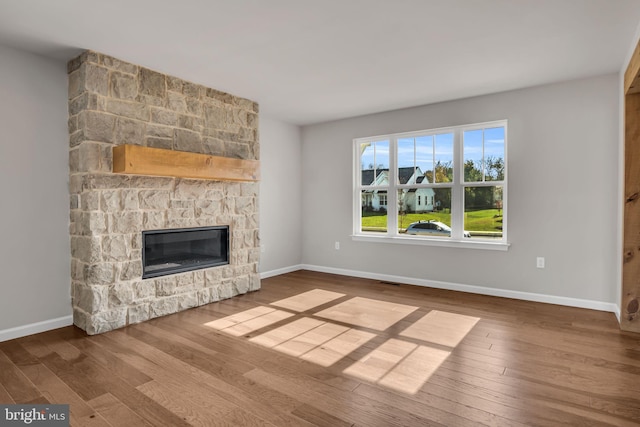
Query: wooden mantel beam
139	160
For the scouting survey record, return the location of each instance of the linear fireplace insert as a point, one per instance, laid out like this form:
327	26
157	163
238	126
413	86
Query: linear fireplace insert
183	249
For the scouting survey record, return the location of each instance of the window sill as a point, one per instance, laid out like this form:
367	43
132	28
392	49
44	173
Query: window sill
424	241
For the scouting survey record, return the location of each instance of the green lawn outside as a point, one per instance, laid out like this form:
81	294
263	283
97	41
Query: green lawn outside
484	220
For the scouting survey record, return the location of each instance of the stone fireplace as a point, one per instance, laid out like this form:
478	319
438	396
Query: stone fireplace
112	102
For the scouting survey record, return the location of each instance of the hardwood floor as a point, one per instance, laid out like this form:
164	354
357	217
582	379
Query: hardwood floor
319	349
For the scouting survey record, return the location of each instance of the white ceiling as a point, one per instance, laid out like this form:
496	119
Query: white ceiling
308	61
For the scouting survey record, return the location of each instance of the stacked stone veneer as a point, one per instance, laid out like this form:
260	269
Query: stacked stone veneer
112	102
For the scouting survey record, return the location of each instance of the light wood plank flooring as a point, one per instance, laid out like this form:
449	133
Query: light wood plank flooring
319	349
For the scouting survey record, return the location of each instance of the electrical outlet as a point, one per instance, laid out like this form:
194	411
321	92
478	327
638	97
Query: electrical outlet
263	248
337	246
540	262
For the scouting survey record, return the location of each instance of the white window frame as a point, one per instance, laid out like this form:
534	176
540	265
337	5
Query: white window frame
457	192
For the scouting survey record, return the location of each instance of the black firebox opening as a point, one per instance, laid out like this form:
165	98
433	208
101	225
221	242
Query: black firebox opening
184	249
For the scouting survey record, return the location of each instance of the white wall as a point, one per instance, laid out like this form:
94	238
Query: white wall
563	180
280	196
34	197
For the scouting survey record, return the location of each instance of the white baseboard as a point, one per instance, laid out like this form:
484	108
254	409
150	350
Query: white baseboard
505	293
279	271
35	328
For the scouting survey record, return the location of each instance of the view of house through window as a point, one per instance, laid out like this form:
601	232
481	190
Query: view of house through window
442	184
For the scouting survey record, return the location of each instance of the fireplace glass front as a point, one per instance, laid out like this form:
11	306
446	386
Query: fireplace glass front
185	249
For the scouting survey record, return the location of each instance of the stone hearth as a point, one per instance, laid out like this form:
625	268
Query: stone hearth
112	102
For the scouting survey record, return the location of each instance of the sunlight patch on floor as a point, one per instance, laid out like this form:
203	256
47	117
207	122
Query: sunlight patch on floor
399	365
314	340
325	338
309	340
441	327
286	332
237	318
337	348
308	300
367	313
235	328
380	361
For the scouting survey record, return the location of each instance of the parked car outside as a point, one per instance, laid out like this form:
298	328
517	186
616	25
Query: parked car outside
431	228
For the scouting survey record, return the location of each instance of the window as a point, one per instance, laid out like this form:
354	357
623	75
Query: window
447	185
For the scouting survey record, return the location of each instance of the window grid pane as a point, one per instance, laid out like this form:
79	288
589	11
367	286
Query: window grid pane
483	214
426	192
425	208
443	156
494	154
484	154
374	213
374	163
